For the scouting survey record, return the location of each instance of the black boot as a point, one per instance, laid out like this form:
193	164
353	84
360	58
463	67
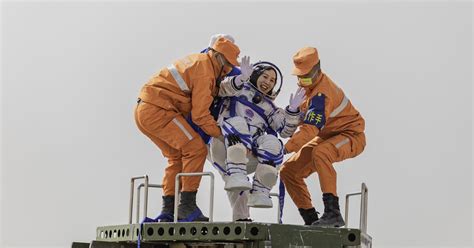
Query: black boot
188	210
167	209
309	215
168	204
332	215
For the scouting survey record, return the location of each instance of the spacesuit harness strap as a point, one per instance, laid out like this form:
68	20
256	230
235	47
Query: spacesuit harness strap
260	111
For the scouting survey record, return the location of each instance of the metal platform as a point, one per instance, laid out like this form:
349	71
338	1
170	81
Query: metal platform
226	234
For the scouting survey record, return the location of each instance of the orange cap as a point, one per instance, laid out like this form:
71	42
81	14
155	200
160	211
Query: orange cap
228	49
304	60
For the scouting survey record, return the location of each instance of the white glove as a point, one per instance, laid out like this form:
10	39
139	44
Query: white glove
296	100
246	70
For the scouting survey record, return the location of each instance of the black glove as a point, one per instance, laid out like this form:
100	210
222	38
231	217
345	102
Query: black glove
233	139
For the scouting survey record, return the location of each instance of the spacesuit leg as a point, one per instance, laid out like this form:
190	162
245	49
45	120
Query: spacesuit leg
270	156
237	200
237	141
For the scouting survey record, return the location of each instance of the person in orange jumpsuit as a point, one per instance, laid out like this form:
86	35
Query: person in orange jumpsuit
186	87
331	130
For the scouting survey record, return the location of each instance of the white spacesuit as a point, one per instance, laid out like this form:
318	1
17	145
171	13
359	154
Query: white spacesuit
250	123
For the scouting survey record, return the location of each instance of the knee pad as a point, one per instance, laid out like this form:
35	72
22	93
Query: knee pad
237	154
266	175
270	149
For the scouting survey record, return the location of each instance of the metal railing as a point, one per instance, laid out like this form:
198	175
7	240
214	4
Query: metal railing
364	193
177	191
146	196
132	189
147	185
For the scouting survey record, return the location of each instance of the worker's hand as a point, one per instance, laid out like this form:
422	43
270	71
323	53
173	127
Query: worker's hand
246	70
296	100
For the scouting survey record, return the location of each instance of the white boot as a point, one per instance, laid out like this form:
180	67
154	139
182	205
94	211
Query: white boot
259	196
263	181
236	181
259	200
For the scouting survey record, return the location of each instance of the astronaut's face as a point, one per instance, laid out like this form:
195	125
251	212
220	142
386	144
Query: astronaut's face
266	81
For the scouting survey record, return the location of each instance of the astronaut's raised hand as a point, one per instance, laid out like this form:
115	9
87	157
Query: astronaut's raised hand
246	70
296	99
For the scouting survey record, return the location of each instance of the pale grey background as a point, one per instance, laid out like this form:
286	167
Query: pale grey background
72	72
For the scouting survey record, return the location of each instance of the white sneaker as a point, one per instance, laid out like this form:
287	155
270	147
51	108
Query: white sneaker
259	200
237	182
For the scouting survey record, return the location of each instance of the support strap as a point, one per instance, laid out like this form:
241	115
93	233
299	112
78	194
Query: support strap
281	199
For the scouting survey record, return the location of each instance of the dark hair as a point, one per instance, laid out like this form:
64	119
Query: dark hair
258	71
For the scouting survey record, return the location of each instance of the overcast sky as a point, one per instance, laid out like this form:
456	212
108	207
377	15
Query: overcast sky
71	73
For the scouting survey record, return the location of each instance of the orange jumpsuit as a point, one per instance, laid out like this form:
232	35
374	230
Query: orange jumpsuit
185	87
332	131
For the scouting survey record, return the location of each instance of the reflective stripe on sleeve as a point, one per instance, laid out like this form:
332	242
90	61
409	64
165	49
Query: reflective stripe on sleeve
177	77
339	108
342	142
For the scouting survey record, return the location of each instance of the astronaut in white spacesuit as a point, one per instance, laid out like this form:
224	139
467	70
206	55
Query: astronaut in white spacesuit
250	123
